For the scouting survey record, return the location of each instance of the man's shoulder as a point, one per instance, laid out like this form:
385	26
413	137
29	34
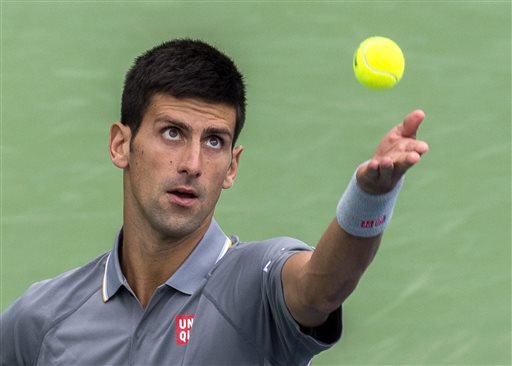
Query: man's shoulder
252	258
45	304
50	299
270	246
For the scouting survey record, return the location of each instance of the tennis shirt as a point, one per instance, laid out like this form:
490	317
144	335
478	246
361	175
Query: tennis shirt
223	306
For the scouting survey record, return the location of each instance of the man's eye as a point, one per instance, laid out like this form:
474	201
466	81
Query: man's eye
171	133
214	142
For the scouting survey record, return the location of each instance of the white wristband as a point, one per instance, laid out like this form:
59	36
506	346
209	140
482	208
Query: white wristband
363	214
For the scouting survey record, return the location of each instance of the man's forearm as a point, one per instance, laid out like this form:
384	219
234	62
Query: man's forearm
328	275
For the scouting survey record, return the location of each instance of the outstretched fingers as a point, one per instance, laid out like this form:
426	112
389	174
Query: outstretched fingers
398	151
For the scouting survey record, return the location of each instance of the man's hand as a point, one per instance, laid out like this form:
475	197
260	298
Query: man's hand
398	151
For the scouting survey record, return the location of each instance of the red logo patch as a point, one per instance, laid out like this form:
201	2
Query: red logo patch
183	328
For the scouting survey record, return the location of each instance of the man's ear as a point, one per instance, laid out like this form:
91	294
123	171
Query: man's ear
233	168
119	144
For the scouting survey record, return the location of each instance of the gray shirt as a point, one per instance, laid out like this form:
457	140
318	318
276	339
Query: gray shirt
222	307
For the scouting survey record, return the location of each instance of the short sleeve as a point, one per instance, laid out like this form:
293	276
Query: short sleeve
301	342
245	290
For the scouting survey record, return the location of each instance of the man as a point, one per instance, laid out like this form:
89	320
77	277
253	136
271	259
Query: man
175	290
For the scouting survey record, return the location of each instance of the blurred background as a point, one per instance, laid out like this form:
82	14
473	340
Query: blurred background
439	291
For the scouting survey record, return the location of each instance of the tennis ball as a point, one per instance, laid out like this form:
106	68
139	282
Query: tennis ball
379	63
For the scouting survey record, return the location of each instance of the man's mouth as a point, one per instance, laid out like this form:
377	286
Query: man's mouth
183	196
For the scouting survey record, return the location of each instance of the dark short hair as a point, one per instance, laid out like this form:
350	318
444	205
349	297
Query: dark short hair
182	68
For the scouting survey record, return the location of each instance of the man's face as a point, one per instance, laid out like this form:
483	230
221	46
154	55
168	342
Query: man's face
178	163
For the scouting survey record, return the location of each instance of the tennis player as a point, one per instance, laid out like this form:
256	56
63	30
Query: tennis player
175	289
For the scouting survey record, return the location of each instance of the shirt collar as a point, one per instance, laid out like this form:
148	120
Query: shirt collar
190	275
113	277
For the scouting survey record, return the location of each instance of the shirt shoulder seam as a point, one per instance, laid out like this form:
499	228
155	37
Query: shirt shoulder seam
63	317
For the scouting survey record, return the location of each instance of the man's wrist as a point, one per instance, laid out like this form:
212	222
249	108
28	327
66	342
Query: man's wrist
363	214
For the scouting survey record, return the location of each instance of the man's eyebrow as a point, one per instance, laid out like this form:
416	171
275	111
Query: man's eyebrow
218	131
175	122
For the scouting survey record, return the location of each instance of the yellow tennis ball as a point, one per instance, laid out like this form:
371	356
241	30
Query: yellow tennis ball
379	63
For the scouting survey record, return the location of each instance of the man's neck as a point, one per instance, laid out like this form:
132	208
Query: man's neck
148	261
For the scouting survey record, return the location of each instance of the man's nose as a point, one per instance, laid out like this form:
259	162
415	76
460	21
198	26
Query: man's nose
190	162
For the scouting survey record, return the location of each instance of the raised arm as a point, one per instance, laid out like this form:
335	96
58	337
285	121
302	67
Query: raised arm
316	283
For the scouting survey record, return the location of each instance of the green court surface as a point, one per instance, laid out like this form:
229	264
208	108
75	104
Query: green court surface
439	291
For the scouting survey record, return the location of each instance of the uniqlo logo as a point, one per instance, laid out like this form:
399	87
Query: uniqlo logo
368	224
183	328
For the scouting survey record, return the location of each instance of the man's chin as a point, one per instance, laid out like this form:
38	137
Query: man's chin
186	226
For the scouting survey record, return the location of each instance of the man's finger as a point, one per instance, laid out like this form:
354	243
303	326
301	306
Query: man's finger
409	160
376	176
411	123
421	147
368	173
